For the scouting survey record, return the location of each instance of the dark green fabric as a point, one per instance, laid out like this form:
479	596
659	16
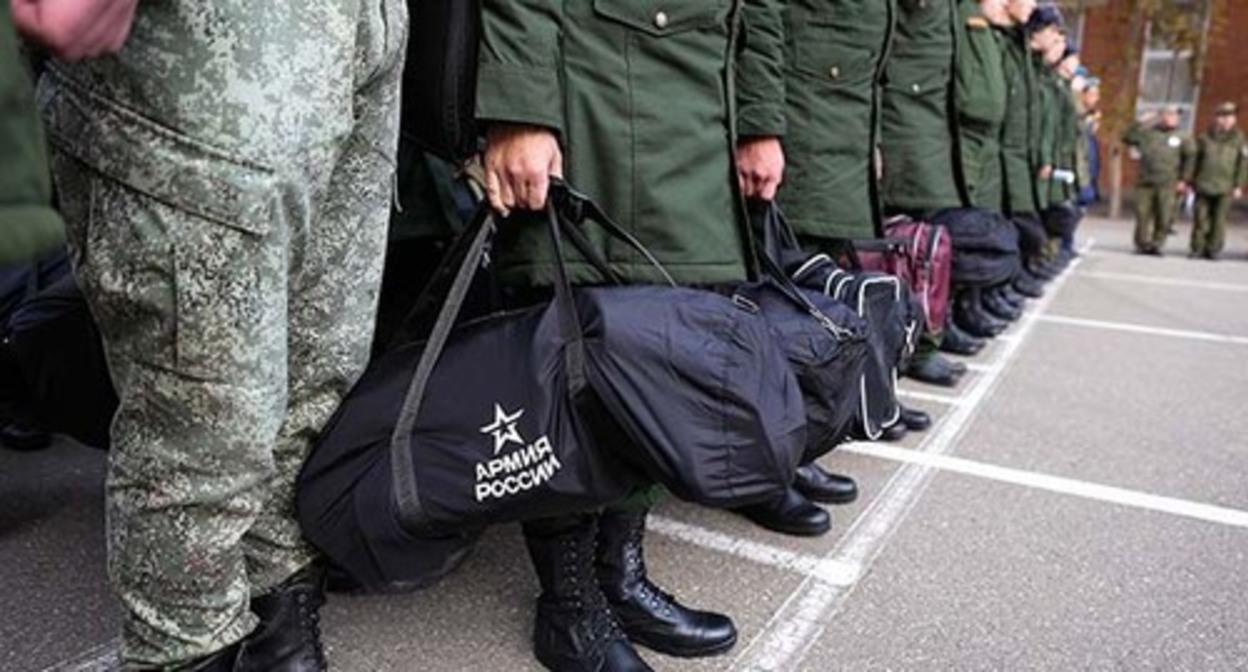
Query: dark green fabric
981	97
917	129
1044	141
1209	227
835	49
29	227
642	97
1154	213
1220	164
424	207
1162	154
1016	134
1066	140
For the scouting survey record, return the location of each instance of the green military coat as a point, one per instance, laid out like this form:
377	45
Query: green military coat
921	170
980	94
29	227
1067	136
1220	164
1018	130
1162	154
643	98
834	50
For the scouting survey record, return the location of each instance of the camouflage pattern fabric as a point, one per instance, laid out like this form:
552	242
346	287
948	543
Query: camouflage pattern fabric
226	181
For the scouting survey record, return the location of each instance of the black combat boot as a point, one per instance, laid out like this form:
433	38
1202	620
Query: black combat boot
649	616
970	316
958	342
288	638
1028	285
790	513
575	630
915	420
819	485
1010	294
999	307
933	369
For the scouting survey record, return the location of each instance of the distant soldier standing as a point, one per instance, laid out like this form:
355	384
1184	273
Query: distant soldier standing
1162	148
1219	174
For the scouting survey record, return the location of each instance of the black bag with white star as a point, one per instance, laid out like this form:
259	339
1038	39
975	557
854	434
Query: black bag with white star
562	407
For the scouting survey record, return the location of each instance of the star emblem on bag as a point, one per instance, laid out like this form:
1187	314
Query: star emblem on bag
504	428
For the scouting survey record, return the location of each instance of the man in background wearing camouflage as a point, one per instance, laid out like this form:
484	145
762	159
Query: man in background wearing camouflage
226	179
1218	174
1161	149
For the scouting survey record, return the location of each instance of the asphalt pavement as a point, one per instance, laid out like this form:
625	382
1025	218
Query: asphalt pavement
1081	503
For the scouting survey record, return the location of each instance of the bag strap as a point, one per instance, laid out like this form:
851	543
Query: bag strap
781	280
402	469
576	208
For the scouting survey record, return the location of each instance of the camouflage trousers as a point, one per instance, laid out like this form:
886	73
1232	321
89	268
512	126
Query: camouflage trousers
226	180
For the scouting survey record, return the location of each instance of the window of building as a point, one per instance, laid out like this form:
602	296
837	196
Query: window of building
1167	76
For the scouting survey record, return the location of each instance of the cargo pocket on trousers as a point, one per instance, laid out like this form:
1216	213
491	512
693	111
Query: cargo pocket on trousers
177	249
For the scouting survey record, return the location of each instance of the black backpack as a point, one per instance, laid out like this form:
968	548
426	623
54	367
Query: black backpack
440	77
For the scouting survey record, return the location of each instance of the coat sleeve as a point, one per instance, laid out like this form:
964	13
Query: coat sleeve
760	69
518	73
1189	159
1241	166
1133	135
1048	125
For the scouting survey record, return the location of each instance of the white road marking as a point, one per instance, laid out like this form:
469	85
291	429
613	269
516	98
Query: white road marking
1170	282
917	395
980	367
1144	329
97	659
799	623
1066	486
829	571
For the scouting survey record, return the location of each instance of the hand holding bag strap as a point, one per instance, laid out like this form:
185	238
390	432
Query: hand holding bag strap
410	512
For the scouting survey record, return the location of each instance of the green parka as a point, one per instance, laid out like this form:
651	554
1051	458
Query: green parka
1162	154
981	97
835	49
643	98
917	138
1220	164
1017	131
1067	136
29	227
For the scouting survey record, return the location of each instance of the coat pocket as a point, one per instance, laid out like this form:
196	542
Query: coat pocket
819	54
663	17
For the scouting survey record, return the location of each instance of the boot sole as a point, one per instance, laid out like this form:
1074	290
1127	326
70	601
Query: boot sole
705	652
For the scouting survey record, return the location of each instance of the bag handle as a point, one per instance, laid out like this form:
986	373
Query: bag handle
770	219
564	211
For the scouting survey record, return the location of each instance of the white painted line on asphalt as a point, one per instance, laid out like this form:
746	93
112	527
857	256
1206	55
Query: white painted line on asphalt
830	571
96	659
981	367
1058	484
929	396
1145	329
1170	282
798	624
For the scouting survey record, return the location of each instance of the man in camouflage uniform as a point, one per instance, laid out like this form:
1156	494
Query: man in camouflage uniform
1162	149
1218	173
226	178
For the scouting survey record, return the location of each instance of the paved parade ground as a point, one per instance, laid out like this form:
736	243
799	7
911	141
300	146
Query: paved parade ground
1080	503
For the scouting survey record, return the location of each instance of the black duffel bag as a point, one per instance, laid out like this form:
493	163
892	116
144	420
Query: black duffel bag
881	301
824	340
561	407
1061	220
985	246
